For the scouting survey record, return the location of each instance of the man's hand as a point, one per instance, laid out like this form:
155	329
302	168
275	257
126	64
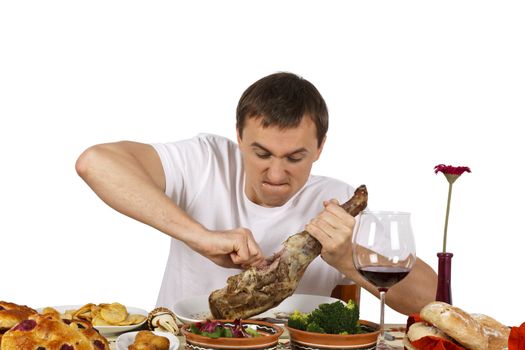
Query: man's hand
333	228
232	248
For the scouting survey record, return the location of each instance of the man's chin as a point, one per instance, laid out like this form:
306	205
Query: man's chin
274	201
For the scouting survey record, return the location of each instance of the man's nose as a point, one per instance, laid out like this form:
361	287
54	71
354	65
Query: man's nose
276	171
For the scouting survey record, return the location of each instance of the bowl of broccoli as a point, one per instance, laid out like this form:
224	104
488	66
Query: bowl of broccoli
331	324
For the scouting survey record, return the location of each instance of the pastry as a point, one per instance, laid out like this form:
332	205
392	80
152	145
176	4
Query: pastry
11	314
50	332
146	340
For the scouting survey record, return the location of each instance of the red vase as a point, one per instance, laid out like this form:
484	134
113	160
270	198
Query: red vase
444	292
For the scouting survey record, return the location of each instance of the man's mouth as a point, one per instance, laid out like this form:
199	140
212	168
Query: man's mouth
274	185
276	188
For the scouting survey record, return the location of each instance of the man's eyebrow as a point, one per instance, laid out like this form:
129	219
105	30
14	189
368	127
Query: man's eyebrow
258	145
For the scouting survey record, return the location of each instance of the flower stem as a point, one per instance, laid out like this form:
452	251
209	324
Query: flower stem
446	217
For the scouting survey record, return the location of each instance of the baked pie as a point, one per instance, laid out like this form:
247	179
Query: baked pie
50	332
11	314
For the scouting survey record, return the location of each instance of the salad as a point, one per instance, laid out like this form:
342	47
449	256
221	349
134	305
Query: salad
218	329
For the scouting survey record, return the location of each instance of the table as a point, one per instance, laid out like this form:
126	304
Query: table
396	330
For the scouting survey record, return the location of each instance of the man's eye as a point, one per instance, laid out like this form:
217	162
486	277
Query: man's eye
263	155
294	160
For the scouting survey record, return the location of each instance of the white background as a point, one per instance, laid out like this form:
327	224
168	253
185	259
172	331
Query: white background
409	84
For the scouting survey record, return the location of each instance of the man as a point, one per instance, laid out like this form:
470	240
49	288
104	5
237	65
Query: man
228	206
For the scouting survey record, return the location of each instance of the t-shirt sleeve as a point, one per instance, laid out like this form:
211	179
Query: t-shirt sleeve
189	164
184	163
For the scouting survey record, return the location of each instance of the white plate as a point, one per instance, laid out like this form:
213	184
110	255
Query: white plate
126	339
106	330
195	309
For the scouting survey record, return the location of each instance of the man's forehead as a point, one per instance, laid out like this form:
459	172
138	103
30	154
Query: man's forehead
280	141
257	124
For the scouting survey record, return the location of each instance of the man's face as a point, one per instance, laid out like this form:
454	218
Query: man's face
277	161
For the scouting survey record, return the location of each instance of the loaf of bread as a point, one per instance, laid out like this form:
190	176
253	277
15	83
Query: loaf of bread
457	323
496	333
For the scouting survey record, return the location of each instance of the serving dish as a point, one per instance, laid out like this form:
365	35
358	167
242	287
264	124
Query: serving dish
195	309
268	339
126	339
106	330
300	340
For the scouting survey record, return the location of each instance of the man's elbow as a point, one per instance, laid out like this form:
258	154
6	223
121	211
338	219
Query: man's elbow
87	161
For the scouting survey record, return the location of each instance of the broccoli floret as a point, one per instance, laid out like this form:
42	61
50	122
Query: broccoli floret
352	305
314	327
336	318
298	320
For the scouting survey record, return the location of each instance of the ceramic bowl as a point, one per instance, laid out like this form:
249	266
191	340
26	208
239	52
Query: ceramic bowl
302	340
270	334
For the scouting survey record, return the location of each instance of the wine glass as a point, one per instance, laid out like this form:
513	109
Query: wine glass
384	252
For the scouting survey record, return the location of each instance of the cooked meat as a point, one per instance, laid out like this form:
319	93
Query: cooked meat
261	288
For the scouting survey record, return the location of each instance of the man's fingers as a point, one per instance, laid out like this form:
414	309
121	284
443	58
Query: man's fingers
246	251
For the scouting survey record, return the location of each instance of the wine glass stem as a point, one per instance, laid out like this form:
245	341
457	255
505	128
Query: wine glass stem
382	319
381	341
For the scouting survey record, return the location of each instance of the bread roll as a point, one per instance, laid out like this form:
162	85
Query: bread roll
496	333
456	323
420	329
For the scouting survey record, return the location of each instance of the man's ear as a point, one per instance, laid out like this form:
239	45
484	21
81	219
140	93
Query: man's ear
320	149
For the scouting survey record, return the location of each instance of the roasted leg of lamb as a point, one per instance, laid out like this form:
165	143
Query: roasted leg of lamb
261	288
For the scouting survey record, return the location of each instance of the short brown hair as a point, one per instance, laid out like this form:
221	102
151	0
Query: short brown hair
283	99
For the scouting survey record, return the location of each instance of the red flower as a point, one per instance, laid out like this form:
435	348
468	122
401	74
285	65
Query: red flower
451	173
452	170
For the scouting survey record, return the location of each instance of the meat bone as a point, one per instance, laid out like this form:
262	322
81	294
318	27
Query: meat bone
258	289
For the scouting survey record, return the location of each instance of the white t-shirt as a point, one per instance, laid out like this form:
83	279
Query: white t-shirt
205	177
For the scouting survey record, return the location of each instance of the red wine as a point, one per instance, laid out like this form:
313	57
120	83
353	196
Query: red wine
383	277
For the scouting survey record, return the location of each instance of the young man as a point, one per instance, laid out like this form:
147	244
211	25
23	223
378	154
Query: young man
227	206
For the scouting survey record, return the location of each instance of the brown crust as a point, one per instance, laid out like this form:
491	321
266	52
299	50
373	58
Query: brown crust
51	332
456	323
147	340
11	314
496	333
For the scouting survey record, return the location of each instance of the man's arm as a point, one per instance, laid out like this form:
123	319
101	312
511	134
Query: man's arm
128	176
333	229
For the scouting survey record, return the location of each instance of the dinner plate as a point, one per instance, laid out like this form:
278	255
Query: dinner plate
195	309
106	330
126	339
